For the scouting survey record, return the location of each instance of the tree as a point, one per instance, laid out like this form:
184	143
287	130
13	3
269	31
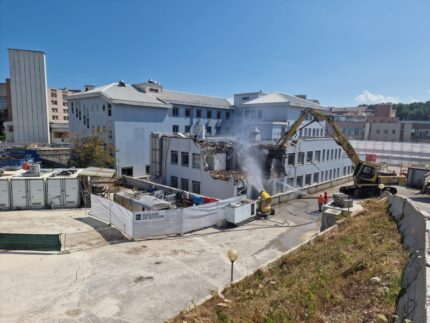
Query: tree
91	151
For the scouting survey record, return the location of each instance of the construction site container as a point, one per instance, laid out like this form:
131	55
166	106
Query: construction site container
27	193
62	192
139	201
4	194
416	176
240	212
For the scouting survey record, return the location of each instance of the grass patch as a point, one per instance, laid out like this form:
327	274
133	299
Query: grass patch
329	280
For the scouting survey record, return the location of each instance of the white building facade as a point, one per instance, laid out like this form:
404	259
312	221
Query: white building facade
128	114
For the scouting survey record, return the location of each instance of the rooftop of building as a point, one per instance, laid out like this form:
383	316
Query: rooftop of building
122	93
277	97
27	50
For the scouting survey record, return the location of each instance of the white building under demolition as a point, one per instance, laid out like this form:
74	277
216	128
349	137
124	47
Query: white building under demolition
130	114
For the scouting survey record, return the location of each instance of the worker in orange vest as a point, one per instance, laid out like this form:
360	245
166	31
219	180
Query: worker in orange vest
326	198
320	202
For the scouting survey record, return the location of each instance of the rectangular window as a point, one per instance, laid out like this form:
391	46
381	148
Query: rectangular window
185	159
188	112
290	182
394	132
199	113
196	187
344	170
331	174
175	128
340	153
309	156
316	178
385	131
174	181
291	159
175	111
246	113
196	160
301	158
314	132
184	184
260	114
209	114
209	130
318	156
227	115
326	175
109	106
187	129
377	131
338	172
323	156
332	155
103	107
299	181
174	157
308	179
66	118
218	114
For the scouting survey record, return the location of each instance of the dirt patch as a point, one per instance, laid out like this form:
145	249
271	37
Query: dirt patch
73	312
136	250
139	279
350	275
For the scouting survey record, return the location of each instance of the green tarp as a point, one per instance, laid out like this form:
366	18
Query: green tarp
36	242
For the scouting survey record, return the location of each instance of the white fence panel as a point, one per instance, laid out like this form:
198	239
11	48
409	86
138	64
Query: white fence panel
113	213
157	223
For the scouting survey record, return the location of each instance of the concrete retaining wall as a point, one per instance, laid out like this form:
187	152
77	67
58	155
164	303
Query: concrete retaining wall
412	224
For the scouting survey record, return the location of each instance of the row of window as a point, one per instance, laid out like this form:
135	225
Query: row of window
311	132
185	159
86	120
315	178
188	112
195	186
253	114
378	131
187	128
56	110
314	157
56	118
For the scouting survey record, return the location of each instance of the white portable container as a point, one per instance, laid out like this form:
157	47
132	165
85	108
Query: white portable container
4	194
62	192
240	212
27	193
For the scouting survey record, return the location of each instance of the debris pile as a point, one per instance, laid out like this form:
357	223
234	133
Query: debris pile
225	175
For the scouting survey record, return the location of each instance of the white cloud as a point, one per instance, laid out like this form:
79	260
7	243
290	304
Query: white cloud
412	99
368	97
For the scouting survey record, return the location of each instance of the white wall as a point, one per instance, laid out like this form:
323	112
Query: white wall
29	96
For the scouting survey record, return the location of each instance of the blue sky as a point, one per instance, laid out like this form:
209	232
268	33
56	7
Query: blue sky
340	52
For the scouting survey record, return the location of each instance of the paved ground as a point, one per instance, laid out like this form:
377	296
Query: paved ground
146	281
422	201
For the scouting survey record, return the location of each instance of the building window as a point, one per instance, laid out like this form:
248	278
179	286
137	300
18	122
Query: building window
184	184
175	128
185	159
314	132
377	131
338	172
209	130
54	102
260	114
175	111
196	160
54	110
218	114
199	113
300	181
385	131
301	158
73	110
331	174
332	155
316	177
308	179
66	118
187	129
127	171
196	187
109	106
291	159
65	111
318	156
54	117
290	182
340	153
322	176
394	132
188	112
174	181
227	115
103	107
309	156
344	170
174	157
323	156
209	114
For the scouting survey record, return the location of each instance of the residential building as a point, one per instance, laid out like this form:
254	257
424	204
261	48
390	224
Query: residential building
29	96
5	104
58	106
127	114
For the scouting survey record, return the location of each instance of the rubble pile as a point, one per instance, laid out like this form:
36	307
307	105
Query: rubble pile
225	175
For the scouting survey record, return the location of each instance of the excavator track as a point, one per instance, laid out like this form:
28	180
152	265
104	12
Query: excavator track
363	191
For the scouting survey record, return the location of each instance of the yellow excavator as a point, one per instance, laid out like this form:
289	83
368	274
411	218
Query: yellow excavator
368	177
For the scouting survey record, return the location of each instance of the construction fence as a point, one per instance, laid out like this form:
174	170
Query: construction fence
148	224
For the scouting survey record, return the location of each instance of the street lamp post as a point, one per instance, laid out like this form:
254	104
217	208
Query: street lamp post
232	256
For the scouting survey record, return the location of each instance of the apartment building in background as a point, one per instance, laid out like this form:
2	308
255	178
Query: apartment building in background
29	96
5	105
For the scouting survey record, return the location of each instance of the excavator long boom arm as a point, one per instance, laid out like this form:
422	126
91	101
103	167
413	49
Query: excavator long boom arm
337	134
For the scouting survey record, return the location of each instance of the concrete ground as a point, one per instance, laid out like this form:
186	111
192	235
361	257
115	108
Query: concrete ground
144	281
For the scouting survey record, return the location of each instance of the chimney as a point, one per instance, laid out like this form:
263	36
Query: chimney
88	87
